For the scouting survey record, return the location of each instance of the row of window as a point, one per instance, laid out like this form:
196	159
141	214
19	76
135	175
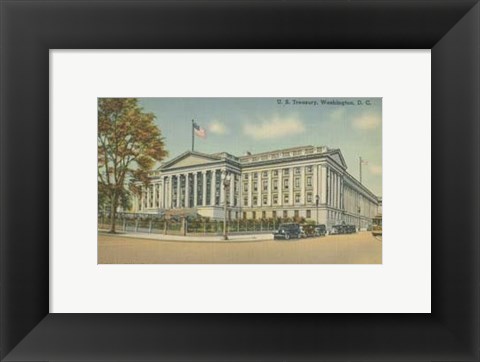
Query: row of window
275	184
286	199
285	172
283	214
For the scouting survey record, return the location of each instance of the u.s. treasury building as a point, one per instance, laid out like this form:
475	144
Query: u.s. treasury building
302	182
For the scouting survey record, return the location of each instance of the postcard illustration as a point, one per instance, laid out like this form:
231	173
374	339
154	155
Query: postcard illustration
239	180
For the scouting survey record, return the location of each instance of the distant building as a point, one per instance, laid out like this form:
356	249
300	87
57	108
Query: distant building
277	184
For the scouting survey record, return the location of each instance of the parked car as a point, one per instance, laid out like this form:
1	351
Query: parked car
337	229
288	231
351	229
309	230
343	229
320	230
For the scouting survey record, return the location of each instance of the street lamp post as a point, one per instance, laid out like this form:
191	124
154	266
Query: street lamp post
226	185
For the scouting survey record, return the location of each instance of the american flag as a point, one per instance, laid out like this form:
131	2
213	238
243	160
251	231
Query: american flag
199	131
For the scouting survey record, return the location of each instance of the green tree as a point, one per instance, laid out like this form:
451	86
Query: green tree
129	144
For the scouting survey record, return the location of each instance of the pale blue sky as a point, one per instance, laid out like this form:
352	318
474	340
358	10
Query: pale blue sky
237	125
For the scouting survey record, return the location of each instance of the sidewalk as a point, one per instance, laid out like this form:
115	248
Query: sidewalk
217	238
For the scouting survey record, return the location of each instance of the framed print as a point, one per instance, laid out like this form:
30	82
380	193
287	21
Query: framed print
165	60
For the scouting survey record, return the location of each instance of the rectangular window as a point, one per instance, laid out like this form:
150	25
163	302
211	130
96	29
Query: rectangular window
309	181
297	183
254	215
245	187
255	175
275	199
296	213
275	185
264	199
255	201
309	198
255	186
285	199
264	214
274	214
245	176
285	183
275	173
265	174
285	214
285	171
244	215
297	198
297	170
309	169
265	185
309	213
245	201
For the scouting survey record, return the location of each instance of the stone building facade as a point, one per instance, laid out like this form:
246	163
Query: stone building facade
282	183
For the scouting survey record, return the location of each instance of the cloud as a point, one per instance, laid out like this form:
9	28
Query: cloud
375	169
338	114
276	127
366	122
217	127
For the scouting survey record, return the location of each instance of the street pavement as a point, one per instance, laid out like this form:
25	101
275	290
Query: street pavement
359	248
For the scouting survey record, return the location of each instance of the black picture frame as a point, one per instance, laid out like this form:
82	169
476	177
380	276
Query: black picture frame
30	28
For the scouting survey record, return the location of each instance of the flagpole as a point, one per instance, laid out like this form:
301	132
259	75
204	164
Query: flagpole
193	138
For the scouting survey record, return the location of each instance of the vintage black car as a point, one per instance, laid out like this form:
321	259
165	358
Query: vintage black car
308	231
320	230
343	229
288	231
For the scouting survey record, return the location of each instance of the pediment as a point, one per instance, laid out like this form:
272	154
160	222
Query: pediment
338	158
188	159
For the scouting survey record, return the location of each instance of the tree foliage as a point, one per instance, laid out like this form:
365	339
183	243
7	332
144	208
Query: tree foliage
129	145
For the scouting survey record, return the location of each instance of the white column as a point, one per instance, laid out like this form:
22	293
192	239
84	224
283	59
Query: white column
340	192
187	203
323	185
148	196
212	187
178	189
232	190
315	179
280	188
204	188
337	190
334	188
195	189
160	194
329	187
165	192
290	186
170	191
222	188
259	189
250	189
156	186
269	188
302	185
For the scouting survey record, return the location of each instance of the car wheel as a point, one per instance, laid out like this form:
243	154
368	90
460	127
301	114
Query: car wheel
287	236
